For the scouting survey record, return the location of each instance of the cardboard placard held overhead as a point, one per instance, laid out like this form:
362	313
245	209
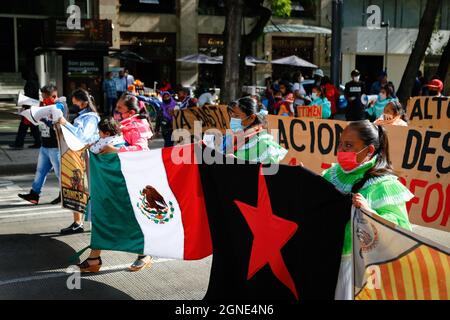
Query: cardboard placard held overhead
429	112
420	156
210	117
309	112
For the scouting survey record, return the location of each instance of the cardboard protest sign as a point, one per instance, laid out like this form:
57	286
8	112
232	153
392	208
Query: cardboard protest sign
430	112
309	112
74	174
420	157
210	117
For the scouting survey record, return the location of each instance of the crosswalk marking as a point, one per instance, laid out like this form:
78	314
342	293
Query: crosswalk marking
34	214
33	208
57	274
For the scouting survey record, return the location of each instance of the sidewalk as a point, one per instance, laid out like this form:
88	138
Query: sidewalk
14	161
17	161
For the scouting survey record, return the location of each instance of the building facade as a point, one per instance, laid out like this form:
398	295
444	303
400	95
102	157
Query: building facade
162	31
363	47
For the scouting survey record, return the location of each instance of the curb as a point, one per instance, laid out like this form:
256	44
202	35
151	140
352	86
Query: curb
12	169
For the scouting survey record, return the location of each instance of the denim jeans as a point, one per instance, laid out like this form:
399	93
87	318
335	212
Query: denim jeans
48	158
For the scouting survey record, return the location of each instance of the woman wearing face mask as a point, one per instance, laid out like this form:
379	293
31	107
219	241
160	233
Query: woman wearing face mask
136	133
284	100
165	117
364	169
249	140
319	99
393	115
135	125
376	108
84	127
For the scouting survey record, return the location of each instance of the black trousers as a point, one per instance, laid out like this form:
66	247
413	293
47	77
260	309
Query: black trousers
22	132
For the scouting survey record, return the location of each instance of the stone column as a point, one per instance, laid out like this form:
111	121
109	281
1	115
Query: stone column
187	40
109	9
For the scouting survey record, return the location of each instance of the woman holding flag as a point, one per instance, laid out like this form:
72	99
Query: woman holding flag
136	132
364	168
84	127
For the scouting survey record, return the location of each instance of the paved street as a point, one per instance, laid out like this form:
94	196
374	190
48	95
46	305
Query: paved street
33	257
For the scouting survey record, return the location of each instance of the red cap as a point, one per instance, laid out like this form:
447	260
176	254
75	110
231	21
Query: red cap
436	84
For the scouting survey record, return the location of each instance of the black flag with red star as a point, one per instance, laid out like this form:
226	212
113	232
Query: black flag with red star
275	237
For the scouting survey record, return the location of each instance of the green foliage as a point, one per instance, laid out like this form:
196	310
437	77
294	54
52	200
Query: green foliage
281	8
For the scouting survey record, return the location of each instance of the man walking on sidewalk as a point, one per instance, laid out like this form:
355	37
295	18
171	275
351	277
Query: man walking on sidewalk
49	156
31	90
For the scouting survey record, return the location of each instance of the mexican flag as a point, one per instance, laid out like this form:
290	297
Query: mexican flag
147	203
274	236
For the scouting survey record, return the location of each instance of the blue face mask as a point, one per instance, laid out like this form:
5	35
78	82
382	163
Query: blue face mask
236	125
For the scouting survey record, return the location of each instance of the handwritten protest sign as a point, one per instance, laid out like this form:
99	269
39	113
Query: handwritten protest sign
210	117
309	112
74	179
420	157
430	112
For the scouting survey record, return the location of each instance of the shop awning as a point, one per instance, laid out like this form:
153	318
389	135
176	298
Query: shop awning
296	28
294	61
199	59
128	55
249	60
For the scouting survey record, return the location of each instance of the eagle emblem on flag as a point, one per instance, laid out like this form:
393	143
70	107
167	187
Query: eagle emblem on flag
368	237
152	204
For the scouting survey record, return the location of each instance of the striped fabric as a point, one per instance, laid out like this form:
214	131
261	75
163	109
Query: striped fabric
423	274
394	264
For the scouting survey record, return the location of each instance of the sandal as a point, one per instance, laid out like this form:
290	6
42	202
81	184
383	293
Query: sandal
86	267
140	263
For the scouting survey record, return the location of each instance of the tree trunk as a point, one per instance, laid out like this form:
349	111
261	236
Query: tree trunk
418	53
444	63
264	15
232	45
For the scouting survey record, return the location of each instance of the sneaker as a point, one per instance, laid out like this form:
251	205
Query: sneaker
32	197
34	146
57	200
73	228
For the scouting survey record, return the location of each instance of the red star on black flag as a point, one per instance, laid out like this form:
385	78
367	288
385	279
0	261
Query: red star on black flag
270	234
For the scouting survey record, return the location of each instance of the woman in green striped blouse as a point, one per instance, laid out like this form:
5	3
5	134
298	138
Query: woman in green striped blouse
250	141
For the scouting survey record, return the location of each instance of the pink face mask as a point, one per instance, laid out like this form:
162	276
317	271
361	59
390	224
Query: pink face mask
347	160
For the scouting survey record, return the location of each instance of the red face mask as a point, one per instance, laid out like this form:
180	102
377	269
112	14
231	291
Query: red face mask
347	160
48	101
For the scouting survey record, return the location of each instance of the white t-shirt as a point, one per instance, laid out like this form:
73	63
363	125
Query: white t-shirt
205	98
299	87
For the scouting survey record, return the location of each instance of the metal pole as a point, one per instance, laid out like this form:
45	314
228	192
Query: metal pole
336	39
387	45
16	46
386	25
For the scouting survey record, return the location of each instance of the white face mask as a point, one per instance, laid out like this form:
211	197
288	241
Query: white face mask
356	79
314	96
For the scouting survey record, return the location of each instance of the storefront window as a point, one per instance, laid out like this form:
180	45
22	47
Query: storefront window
150	6
211	7
209	75
50	8
287	46
86	72
160	51
303	9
